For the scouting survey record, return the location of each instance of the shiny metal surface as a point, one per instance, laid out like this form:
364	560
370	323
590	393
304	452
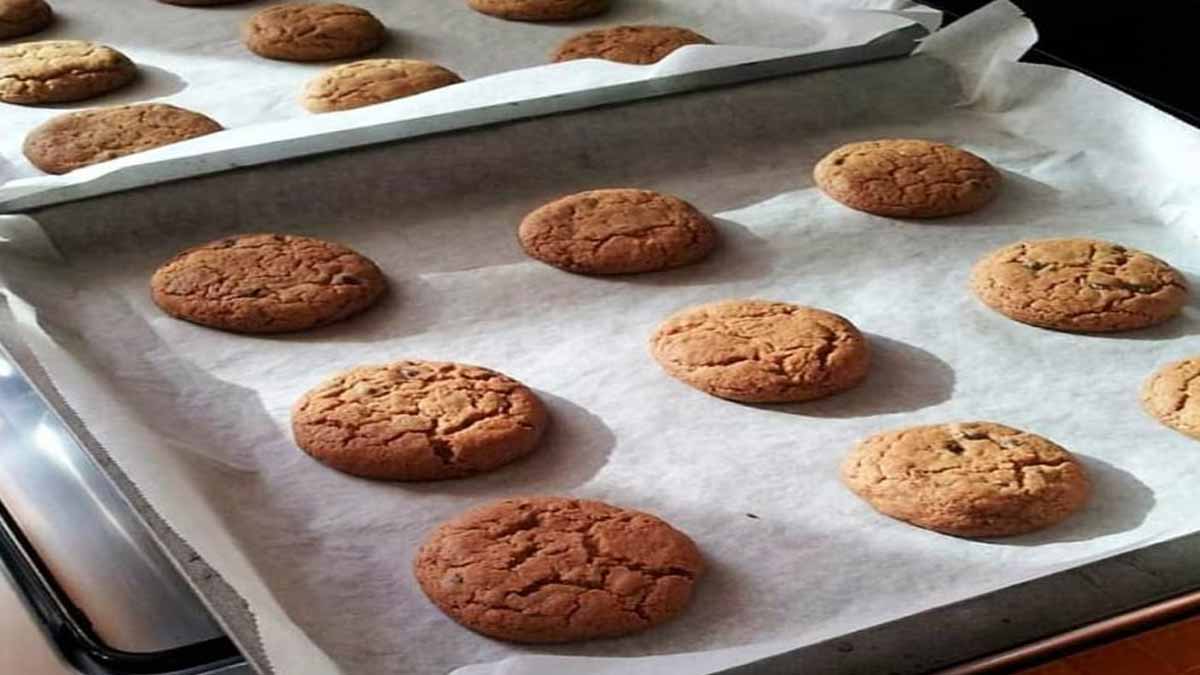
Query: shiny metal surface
90	540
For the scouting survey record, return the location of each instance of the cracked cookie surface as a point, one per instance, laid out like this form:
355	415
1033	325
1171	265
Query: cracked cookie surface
418	420
266	283
22	17
60	71
972	479
906	178
372	81
550	569
1079	285
1172	396
201	3
74	140
540	10
757	351
324	32
639	45
617	231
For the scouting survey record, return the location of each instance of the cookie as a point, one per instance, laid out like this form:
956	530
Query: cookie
1172	396
59	71
620	231
266	283
555	569
907	178
540	10
1080	285
22	17
299	32
364	83
639	45
974	479
418	420
758	351
73	140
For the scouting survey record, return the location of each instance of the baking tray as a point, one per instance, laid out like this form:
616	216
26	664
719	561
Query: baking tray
1096	594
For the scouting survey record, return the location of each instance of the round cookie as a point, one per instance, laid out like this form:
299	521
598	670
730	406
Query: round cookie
299	32
418	420
1079	285
907	178
553	569
266	283
1172	396
22	17
73	140
540	10
59	71
372	81
639	45
617	231
758	351
974	479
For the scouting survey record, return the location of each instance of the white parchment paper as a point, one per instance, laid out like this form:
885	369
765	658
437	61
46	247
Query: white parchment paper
193	57
199	419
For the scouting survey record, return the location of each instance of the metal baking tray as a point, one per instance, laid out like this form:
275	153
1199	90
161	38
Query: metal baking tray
1024	617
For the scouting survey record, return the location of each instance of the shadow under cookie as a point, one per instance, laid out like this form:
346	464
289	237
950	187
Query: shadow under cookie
902	378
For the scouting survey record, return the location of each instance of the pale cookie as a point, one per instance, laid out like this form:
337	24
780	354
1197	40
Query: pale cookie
267	283
73	140
974	479
639	45
553	569
299	32
1079	285
619	231
22	17
418	420
58	71
364	83
1172	396
907	178
540	10
761	352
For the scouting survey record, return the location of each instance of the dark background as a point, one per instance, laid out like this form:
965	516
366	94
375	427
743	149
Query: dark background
1146	47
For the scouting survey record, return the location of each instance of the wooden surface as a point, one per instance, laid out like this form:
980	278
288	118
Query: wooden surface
1171	650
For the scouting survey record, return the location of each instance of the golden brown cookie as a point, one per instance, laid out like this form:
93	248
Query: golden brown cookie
418	420
1079	285
74	140
618	231
58	71
973	479
555	569
324	32
907	178
540	10
1172	396
266	283
22	17
639	45
758	351
372	81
